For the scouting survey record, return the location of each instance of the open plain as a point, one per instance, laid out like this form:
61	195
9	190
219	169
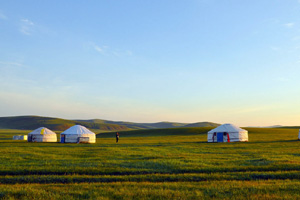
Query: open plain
153	164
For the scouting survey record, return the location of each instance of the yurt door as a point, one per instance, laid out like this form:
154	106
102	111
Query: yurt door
29	138
220	137
62	138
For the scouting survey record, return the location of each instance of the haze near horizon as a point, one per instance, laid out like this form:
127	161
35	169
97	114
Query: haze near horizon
149	61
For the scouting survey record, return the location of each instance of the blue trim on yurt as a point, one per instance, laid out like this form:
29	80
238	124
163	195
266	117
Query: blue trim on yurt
62	138
220	137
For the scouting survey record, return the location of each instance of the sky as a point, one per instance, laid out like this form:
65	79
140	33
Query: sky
223	61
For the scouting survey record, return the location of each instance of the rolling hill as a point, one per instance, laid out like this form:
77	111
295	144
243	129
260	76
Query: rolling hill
33	122
201	124
133	125
158	125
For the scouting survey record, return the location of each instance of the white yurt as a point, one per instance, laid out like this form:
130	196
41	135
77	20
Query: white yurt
20	137
77	134
227	133
42	134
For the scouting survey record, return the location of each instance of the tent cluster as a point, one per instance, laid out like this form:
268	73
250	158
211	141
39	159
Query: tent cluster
75	134
80	134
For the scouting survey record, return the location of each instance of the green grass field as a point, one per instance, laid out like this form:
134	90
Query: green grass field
153	164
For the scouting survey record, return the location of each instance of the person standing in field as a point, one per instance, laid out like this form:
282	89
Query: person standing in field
117	137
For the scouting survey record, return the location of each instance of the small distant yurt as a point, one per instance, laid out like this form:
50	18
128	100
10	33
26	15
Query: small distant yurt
42	134
227	133
77	134
20	137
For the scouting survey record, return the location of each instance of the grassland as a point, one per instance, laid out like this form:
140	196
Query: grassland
153	164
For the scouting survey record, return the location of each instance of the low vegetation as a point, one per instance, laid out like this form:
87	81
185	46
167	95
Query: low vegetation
153	164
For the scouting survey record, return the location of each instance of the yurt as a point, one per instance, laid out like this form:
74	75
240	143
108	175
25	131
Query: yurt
20	137
42	134
299	135
227	133
77	134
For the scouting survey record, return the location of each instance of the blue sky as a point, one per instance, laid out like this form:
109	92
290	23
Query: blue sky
147	61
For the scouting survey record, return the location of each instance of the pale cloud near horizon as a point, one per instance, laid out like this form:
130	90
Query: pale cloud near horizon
5	63
99	49
26	26
289	25
8	70
108	51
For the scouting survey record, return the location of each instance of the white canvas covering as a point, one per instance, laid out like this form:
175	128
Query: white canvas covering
42	134
83	140
231	133
74	133
20	137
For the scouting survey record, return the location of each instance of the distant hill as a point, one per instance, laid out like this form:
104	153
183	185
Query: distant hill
149	125
291	127
165	124
157	125
33	122
202	124
275	126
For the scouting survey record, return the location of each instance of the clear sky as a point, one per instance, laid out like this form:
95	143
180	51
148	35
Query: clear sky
148	61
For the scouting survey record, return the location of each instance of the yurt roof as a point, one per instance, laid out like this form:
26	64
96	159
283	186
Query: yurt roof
229	128
77	130
41	131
